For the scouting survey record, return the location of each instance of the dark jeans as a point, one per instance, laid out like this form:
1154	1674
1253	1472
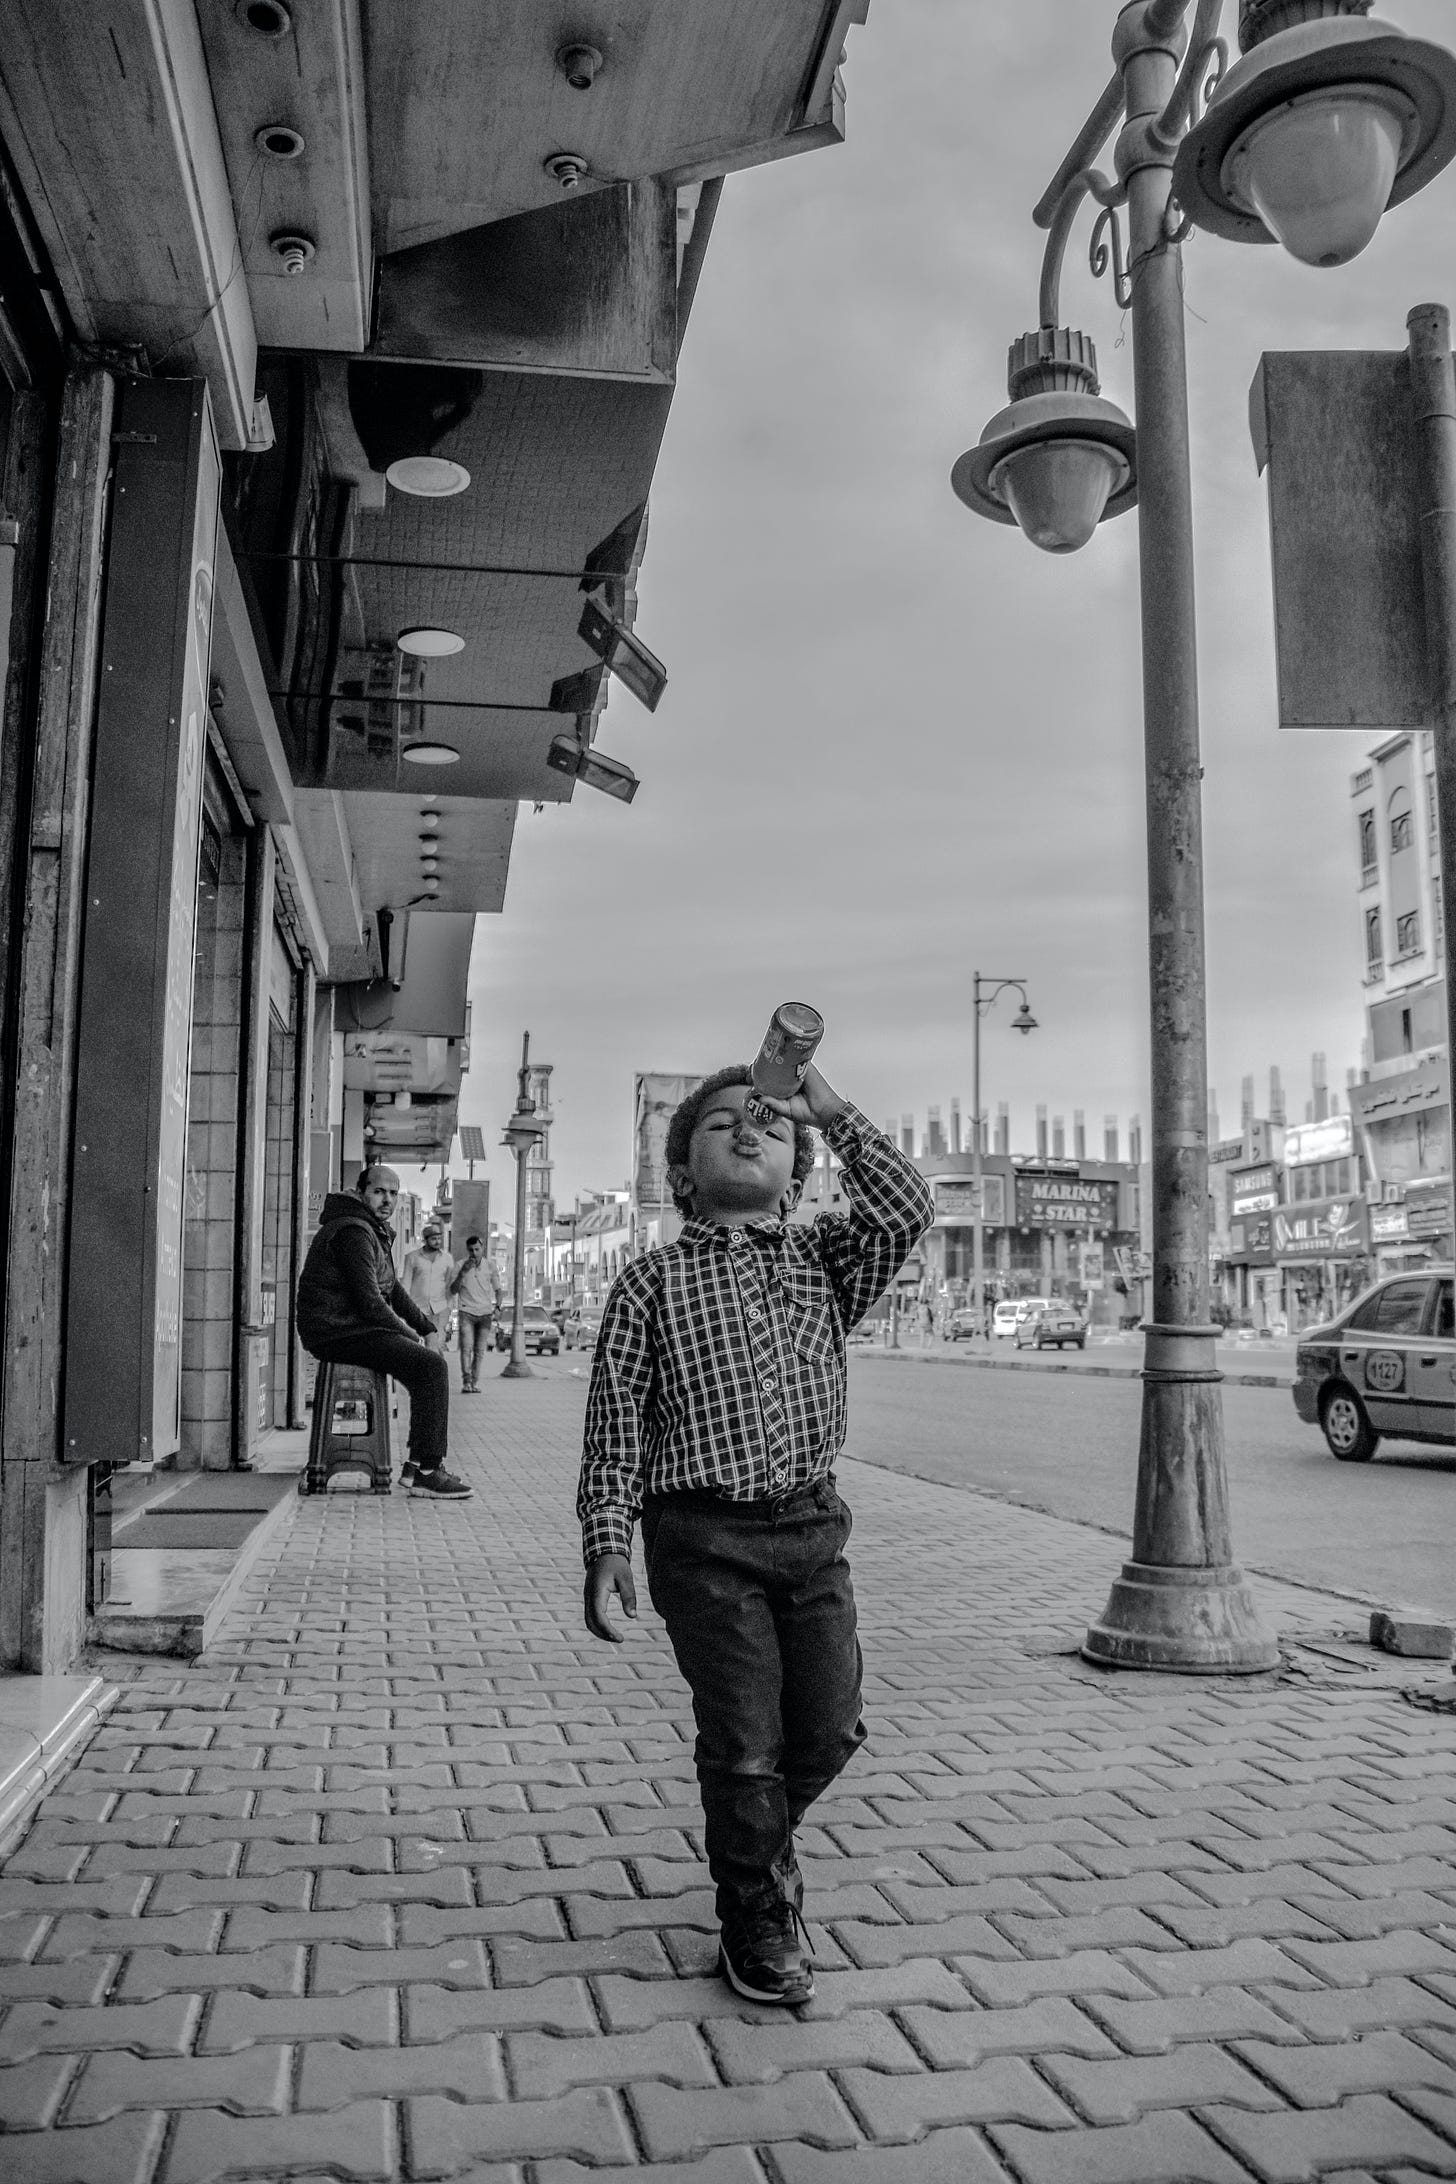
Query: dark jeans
475	1330
759	1606
422	1371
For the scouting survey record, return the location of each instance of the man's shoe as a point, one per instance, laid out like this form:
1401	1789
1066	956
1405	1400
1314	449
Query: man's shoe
407	1474
440	1485
760	1957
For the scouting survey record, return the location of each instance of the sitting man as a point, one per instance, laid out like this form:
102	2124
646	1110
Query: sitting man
353	1310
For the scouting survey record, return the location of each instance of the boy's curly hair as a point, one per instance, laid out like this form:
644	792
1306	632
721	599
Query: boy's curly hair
685	1121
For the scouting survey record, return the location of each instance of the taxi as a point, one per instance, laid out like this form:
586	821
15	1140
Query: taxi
1386	1366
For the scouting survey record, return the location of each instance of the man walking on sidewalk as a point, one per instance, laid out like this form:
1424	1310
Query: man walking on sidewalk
476	1288
427	1275
354	1310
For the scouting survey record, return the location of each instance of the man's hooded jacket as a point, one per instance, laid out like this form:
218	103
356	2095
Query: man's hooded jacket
348	1286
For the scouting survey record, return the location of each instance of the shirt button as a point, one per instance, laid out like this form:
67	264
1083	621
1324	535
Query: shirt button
766	1380
735	1238
754	1316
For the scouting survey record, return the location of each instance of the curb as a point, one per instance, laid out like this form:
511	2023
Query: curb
1045	1365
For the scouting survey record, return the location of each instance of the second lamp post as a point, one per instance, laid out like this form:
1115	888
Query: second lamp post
1023	1021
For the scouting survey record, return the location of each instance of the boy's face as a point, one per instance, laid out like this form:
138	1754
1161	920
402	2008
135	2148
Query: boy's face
738	1169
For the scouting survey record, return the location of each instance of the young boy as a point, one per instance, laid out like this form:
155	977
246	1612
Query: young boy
716	1411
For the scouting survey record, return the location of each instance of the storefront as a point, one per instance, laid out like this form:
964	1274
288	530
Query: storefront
1322	1251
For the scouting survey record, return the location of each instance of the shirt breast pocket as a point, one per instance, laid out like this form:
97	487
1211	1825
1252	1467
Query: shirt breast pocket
813	1322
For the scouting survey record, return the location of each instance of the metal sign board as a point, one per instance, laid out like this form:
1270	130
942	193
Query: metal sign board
124	1291
1333	430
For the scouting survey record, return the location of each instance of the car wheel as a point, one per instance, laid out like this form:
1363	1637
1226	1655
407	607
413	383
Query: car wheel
1347	1429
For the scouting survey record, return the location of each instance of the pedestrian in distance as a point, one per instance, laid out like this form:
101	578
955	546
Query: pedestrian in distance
476	1287
427	1276
354	1310
715	1412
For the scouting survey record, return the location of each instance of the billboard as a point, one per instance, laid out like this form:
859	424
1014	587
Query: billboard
955	1200
1062	1201
656	1093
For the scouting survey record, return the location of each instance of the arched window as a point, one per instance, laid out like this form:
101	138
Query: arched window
1402	829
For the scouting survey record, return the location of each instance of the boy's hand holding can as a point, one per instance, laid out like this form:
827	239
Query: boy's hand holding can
815	1102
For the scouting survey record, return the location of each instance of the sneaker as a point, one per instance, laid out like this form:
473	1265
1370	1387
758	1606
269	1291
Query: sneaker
785	1870
441	1485
407	1474
760	1957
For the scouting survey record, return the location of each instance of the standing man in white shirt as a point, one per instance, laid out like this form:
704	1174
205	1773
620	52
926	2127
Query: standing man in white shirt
476	1286
427	1275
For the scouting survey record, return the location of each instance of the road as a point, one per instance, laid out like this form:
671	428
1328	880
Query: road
1068	1443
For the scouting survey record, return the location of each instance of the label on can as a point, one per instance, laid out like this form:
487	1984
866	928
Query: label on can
787	1050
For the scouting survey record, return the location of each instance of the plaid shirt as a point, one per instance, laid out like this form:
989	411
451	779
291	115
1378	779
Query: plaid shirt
720	1362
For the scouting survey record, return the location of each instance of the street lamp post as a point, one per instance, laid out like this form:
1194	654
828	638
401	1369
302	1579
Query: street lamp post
1023	1021
1324	121
522	1131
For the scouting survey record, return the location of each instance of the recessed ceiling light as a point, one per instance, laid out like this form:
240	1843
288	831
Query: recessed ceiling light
431	887
430	644
429	477
429	864
276	140
432	754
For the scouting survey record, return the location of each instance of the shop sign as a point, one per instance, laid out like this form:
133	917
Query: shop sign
1332	1139
1251	1242
1328	1228
1060	1201
1427	1209
1388	1224
1091	1263
955	1200
1253	1190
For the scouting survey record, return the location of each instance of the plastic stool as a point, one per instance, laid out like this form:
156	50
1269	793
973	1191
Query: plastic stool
350	1427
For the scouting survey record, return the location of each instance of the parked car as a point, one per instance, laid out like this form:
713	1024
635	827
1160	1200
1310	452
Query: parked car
1052	1323
1386	1365
539	1332
1011	1311
582	1325
965	1323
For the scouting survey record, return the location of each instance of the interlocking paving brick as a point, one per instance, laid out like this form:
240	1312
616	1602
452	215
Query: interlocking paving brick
447	2135
74	1979
254	2083
1000	2088
239	2020
358	2141
153	1972
340	1970
1320	2075
1290	2147
945	2157
123	2152
675	2125
469	2067
1340	2013
152	2028
556	2005
1085	1972
953	2039
756	2054
1188	2076
1223	2013
724	2165
543	2065
1153	2151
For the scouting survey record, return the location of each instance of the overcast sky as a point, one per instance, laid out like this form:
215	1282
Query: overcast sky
898	743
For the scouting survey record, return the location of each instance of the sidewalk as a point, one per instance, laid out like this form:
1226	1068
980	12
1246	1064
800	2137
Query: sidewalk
402	1880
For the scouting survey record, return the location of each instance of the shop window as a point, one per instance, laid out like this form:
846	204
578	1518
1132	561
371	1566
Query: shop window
1408	933
1400	830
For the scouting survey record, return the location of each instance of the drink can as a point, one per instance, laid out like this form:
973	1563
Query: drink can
788	1047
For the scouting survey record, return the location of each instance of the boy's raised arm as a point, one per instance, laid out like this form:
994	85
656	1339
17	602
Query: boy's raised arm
891	1209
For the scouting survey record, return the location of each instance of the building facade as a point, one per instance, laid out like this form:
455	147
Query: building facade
337	345
1402	1108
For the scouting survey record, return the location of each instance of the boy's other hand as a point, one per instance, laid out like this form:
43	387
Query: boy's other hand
816	1101
609	1574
